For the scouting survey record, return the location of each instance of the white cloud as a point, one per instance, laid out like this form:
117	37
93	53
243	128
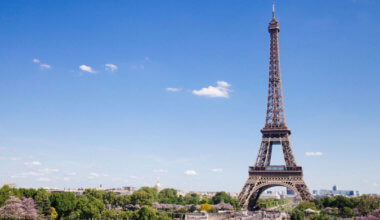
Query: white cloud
35	60
66	178
217	170
45	66
96	175
173	89
191	172
313	154
86	68
133	177
15	158
110	67
375	184
26	174
48	170
220	91
33	163
43	179
72	174
93	175
160	171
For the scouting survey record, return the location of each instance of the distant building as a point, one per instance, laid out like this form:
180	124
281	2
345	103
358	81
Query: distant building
289	191
158	185
335	192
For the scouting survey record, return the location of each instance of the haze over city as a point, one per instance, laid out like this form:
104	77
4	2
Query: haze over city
125	92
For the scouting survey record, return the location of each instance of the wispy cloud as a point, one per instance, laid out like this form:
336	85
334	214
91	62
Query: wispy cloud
32	163
48	170
15	158
66	179
313	154
160	171
43	179
96	175
43	66
217	170
173	89
221	90
86	68
27	174
72	173
191	172
110	67
133	177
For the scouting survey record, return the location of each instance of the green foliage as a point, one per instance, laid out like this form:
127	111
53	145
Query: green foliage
203	200
323	216
221	197
42	202
109	214
306	205
163	216
152	191
63	202
347	212
368	204
145	213
297	215
142	197
27	193
224	197
89	207
168	196
191	198
269	203
6	192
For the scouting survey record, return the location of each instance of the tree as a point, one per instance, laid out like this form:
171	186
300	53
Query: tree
347	212
168	196
152	191
6	192
205	207
27	193
89	207
297	215
368	204
306	205
29	210
191	198
109	214
13	209
145	213
142	197
221	197
203	200
42	202
63	202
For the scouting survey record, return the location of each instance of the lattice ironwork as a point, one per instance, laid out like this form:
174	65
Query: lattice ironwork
263	175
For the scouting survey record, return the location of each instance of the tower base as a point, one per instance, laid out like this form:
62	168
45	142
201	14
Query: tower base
262	178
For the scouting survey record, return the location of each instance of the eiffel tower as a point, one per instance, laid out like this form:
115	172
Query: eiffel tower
263	175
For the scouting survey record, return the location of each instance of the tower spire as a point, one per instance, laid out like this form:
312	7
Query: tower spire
273	10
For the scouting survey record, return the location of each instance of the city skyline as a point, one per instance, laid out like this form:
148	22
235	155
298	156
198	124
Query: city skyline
152	92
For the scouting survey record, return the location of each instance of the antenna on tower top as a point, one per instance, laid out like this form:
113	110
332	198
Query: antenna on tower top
273	10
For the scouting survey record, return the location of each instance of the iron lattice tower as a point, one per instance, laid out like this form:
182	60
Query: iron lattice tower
263	175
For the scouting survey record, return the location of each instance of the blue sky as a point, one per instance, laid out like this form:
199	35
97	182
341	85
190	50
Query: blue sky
68	120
